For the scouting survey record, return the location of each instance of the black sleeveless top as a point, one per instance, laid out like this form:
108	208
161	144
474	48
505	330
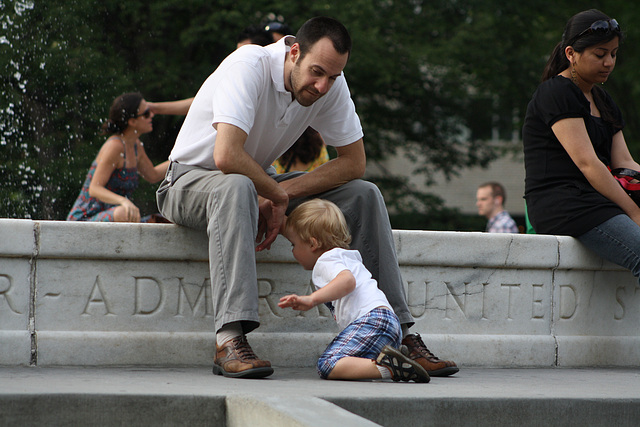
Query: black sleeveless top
559	198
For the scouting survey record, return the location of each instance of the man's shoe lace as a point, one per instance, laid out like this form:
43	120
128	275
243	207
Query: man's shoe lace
243	349
419	345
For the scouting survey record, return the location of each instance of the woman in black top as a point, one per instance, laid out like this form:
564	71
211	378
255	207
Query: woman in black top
572	135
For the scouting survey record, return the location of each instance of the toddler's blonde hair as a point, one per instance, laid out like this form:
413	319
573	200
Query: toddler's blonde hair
322	220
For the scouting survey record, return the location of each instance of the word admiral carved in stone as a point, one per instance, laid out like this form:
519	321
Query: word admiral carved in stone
177	296
152	296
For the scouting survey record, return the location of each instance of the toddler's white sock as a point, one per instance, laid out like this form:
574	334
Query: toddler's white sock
384	372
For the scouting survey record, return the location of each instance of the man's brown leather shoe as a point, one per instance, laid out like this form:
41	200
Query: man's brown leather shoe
421	354
236	359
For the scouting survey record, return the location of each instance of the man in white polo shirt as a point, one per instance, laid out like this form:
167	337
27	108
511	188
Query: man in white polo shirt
246	114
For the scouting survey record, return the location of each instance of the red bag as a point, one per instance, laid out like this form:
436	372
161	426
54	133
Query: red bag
630	181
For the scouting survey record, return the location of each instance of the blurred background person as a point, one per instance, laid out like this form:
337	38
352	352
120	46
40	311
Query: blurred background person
278	29
490	200
254	35
308	152
114	174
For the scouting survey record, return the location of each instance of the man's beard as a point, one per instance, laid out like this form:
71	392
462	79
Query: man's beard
298	92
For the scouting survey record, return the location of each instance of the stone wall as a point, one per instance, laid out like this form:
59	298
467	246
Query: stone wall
123	294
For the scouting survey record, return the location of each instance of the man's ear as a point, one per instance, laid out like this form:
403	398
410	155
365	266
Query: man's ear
294	52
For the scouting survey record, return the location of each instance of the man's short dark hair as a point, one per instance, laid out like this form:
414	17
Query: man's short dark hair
496	190
319	27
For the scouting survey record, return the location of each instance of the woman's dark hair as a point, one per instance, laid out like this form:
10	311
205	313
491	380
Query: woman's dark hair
578	23
573	36
255	35
122	109
277	27
316	28
305	150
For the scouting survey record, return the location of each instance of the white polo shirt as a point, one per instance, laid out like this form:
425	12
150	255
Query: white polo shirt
247	90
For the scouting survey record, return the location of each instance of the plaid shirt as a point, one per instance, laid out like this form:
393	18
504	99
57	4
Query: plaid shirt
502	223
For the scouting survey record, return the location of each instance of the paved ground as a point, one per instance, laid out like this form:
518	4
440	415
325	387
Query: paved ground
473	396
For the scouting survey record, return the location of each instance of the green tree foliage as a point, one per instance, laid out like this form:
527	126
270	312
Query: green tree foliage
431	81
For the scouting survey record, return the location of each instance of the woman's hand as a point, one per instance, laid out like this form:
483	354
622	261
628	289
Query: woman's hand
130	212
111	157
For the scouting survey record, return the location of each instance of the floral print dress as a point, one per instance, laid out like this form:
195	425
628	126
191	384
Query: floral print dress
123	181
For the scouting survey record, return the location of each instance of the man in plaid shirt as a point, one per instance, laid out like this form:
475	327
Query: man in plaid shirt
490	199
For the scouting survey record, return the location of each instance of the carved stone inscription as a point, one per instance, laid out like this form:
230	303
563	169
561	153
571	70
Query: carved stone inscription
177	296
7	300
152	296
14	295
515	301
602	303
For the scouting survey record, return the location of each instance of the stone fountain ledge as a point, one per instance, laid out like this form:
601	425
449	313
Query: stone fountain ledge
138	294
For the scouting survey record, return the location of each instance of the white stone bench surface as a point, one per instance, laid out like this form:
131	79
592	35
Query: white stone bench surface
138	294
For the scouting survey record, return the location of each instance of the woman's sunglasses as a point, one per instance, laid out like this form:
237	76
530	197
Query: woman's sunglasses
276	27
600	27
146	114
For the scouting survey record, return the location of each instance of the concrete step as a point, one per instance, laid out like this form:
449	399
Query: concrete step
168	396
139	294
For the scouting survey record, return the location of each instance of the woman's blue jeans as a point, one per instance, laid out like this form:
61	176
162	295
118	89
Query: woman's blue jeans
616	240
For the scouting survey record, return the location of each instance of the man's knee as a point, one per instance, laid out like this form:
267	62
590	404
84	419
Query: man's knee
362	193
234	203
367	189
198	196
237	192
224	189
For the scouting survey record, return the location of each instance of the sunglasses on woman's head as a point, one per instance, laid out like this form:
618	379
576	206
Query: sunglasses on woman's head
275	26
600	27
146	114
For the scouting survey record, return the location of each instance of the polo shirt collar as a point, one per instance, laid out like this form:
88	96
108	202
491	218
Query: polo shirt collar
278	51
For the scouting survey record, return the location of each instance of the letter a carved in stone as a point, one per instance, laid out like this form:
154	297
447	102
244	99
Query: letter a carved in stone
97	297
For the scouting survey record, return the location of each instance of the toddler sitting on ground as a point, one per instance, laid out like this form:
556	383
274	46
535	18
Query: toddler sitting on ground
368	347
